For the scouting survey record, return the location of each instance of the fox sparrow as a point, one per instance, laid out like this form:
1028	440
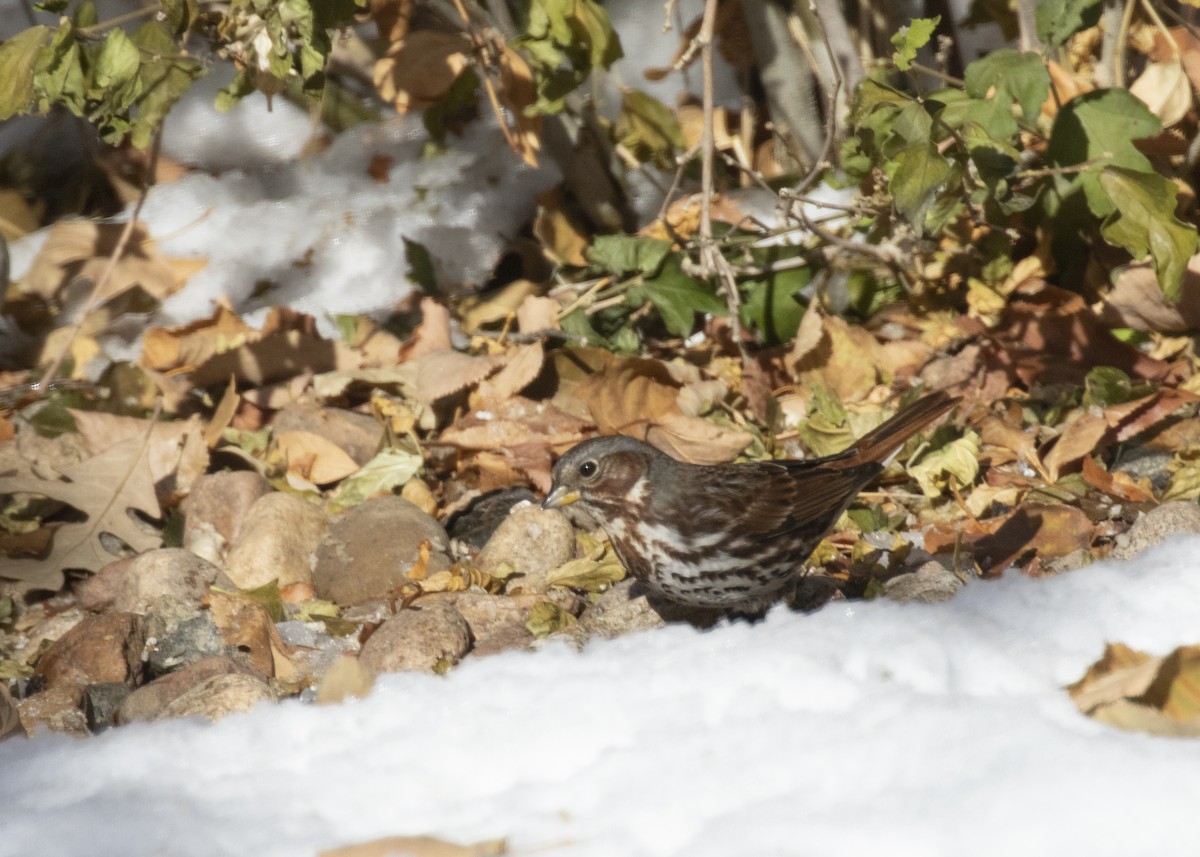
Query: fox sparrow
731	536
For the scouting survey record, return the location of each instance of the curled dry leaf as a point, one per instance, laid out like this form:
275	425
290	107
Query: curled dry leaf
1136	301
78	249
641	398
1164	88
496	306
832	354
954	466
1132	690
313	457
216	348
519	372
1092	432
417	71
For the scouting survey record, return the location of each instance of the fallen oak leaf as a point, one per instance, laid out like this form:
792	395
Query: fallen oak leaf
106	488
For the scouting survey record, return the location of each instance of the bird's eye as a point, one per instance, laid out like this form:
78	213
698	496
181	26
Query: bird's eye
588	469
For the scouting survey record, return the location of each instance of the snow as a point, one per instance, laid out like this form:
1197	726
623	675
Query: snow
919	729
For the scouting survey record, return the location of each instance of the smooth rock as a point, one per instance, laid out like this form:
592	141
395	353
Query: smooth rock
150	701
99	591
931	583
219	696
189	641
1179	516
53	710
368	550
619	610
101	703
103	648
532	540
277	542
426	636
479	521
497	622
167	571
216	509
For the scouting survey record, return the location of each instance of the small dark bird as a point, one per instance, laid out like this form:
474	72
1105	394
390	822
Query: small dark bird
731	536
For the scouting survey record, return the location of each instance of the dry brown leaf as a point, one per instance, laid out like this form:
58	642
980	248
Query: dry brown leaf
313	457
167	349
561	241
520	370
1052	336
417	71
213	350
247	625
537	314
432	334
838	356
1091	432
77	249
346	678
105	487
10	718
1164	88
443	373
641	398
1132	690
518	91
1044	530
495	306
1117	483
177	452
418	846
392	18
1137	301
17	217
223	415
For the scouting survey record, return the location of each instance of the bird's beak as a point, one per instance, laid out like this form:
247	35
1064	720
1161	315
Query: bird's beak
560	496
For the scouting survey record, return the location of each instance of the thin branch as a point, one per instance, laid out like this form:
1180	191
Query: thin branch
93	299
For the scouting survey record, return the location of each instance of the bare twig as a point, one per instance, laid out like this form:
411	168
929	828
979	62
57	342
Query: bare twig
93	299
711	260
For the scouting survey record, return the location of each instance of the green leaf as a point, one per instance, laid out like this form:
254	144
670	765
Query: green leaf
388	470
1058	20
18	57
627	254
180	14
118	60
919	172
678	297
420	265
1143	222
911	39
58	75
1102	124
1106	386
1012	77
772	305
648	129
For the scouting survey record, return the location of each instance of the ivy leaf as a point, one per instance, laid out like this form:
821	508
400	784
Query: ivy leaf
17	59
772	305
911	39
1016	77
919	172
118	61
625	254
1143	221
648	129
1102	124
677	297
1058	20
